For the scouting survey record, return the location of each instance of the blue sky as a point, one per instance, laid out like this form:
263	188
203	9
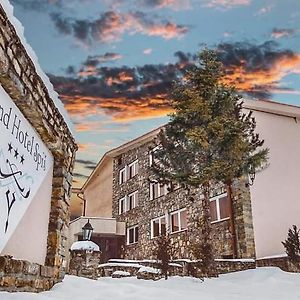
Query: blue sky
113	62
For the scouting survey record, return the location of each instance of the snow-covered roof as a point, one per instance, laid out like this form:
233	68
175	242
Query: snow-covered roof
85	245
9	10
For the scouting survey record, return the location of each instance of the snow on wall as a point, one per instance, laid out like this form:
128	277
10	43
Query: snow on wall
20	32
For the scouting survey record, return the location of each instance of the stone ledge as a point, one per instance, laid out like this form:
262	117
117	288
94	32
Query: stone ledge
23	276
284	263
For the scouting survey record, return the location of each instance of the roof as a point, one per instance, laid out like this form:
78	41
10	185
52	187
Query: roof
272	107
123	148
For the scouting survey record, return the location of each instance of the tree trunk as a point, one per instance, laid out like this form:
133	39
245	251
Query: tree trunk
208	257
232	223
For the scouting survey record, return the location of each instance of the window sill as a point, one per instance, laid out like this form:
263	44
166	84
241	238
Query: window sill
179	231
128	211
219	221
132	244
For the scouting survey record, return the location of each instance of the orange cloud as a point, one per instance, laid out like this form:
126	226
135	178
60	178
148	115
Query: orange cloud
281	33
167	31
252	80
112	25
120	109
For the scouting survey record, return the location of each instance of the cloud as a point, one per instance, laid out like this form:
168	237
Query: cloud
85	162
278	33
226	4
265	10
103	58
124	94
112	25
173	4
257	69
37	5
79	175
147	51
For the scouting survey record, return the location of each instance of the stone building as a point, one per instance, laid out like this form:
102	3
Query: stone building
128	211
37	152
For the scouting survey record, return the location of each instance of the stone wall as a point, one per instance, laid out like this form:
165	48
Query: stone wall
284	263
21	275
19	78
149	209
84	263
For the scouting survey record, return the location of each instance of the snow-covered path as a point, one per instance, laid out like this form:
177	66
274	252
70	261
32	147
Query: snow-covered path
259	284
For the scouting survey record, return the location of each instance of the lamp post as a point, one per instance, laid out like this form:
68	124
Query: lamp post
251	176
87	231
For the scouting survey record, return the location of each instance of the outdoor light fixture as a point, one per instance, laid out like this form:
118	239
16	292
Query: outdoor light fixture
251	176
87	231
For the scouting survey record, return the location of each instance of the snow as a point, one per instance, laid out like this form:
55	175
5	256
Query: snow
245	260
20	32
121	273
257	284
273	256
132	265
149	270
85	245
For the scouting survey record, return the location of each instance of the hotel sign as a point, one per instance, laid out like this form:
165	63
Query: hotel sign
24	164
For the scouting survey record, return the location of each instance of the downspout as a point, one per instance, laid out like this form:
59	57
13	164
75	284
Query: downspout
231	221
84	202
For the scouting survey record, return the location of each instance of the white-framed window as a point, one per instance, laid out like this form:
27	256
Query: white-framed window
122	205
122	175
151	155
219	208
132	235
178	220
157	190
128	202
132	200
158	226
132	169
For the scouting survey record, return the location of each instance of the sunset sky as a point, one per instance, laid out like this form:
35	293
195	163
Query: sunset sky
113	61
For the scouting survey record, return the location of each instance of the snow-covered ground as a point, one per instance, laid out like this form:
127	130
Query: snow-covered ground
259	284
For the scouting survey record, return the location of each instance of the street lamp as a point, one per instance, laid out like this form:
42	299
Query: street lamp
87	231
251	176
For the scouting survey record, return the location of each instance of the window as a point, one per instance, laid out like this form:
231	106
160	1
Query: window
122	175
132	200
128	202
151	155
178	220
132	169
122	205
132	235
219	208
158	226
157	190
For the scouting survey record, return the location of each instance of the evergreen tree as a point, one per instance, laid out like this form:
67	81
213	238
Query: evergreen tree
209	139
163	253
292	244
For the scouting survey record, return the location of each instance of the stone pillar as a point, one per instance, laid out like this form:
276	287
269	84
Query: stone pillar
84	263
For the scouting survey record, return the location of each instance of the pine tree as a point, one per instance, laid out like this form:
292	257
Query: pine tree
163	252
292	244
209	139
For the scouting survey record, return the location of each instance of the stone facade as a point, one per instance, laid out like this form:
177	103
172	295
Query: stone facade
19	78
149	209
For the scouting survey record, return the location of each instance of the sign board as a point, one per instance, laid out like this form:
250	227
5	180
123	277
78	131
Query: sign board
24	164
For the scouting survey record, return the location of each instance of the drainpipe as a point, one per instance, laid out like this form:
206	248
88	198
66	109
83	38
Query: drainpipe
84	202
231	220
